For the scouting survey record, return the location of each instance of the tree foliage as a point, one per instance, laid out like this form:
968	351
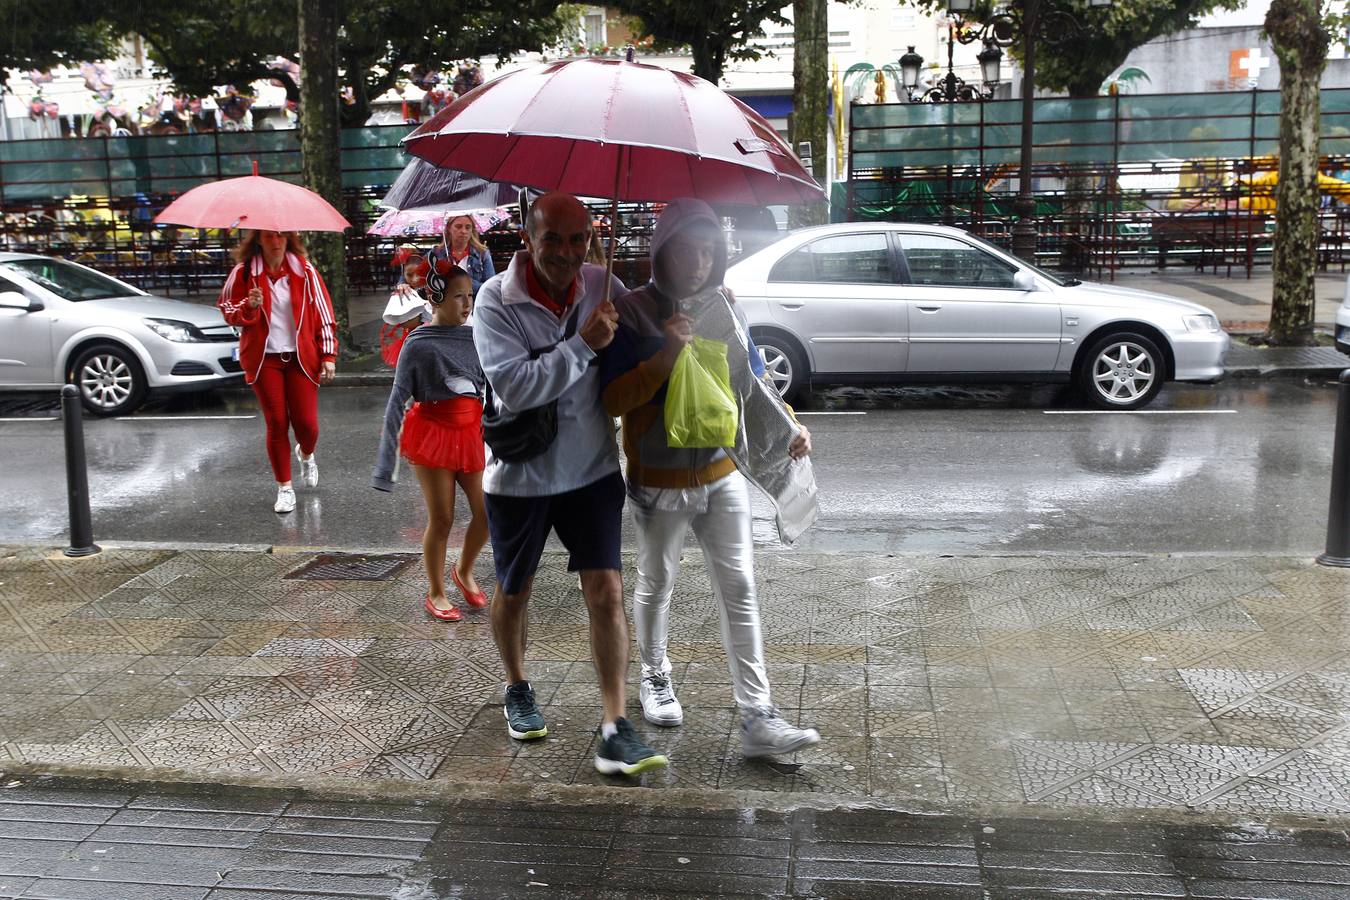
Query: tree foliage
380	39
1077	61
61	32
202	44
716	31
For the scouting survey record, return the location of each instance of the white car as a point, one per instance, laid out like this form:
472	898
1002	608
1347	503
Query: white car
897	303
61	322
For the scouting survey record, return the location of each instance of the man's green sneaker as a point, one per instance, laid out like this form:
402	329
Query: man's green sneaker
524	722
625	753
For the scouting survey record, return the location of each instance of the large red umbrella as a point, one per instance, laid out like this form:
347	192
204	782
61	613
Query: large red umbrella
619	129
262	204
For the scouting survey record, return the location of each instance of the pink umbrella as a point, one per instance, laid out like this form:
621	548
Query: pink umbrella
263	204
612	128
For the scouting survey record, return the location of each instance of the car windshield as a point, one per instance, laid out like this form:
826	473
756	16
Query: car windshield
1061	280
69	281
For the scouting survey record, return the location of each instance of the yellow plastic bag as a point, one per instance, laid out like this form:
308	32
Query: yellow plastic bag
700	409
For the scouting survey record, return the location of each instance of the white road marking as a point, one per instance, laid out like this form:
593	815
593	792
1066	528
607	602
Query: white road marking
31	419
1139	412
831	413
177	418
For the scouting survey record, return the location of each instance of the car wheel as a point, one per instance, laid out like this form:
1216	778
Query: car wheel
784	363
1122	371
110	380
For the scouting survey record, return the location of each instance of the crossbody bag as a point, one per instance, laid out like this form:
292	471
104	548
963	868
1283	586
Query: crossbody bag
523	435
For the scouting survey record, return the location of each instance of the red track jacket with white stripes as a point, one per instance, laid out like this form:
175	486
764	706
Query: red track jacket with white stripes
315	325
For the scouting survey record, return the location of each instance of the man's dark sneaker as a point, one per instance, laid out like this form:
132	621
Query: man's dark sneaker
524	721
625	754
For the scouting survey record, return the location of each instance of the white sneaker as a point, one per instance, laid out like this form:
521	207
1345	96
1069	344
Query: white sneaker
765	733
659	704
285	500
309	468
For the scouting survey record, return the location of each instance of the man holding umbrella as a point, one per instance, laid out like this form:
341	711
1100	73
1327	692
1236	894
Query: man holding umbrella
538	328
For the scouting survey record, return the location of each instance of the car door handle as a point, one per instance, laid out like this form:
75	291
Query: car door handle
930	309
792	305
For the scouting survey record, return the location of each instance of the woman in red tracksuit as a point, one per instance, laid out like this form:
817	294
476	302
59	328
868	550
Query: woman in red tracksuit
287	346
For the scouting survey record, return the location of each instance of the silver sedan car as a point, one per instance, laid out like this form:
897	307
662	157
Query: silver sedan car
61	322
890	302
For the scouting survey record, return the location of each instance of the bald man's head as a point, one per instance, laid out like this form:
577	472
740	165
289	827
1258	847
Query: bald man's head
557	235
554	207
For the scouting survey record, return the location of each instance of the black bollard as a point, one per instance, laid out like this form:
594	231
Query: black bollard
1338	517
77	476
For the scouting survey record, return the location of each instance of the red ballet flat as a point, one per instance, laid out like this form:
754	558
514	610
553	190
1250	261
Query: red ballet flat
476	599
445	615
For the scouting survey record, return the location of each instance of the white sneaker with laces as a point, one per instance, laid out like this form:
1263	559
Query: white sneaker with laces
285	500
659	704
309	468
765	733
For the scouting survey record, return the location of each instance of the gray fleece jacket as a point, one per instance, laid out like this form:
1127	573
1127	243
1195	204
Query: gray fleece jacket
508	327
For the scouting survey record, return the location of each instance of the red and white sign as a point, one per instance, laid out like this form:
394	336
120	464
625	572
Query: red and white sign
1246	63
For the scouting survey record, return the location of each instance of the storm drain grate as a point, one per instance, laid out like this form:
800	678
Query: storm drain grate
353	567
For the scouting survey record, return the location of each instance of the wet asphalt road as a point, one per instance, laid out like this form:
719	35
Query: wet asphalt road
1237	467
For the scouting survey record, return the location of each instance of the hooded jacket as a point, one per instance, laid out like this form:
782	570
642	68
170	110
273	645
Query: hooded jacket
315	325
633	385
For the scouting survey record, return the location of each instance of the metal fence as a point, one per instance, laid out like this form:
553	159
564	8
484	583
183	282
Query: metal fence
94	200
1120	180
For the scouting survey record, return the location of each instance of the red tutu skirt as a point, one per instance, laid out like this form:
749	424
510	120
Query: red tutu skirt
445	434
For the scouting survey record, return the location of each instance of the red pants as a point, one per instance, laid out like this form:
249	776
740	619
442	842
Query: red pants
288	400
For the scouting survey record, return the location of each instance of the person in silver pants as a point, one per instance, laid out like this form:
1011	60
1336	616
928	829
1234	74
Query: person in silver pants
674	489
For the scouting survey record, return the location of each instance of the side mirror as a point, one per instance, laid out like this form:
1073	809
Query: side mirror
1025	281
16	300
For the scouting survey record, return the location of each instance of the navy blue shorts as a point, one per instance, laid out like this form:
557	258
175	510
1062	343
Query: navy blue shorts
587	520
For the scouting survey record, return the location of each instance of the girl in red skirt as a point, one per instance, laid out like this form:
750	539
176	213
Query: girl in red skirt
441	434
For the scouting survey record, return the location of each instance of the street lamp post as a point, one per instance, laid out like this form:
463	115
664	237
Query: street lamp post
1024	230
953	87
1027	20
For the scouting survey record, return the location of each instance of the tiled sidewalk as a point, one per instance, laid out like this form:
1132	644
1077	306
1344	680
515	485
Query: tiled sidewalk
1125	682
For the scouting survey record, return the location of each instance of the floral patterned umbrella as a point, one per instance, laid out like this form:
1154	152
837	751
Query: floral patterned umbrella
429	221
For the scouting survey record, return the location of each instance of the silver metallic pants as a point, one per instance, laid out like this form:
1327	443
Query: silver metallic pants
722	527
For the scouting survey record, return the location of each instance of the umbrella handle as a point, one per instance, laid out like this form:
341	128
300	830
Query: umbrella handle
614	218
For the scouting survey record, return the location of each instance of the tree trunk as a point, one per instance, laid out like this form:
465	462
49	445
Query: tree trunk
320	143
1301	43
709	58
810	98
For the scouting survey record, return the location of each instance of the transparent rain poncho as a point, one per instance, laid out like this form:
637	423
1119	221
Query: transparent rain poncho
765	427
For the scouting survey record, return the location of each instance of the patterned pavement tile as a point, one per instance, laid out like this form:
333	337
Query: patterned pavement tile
1258	795
320	752
201	745
282	725
1125	682
1099	790
1172	775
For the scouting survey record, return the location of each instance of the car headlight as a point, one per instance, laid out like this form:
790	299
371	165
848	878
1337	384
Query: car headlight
176	331
1201	323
